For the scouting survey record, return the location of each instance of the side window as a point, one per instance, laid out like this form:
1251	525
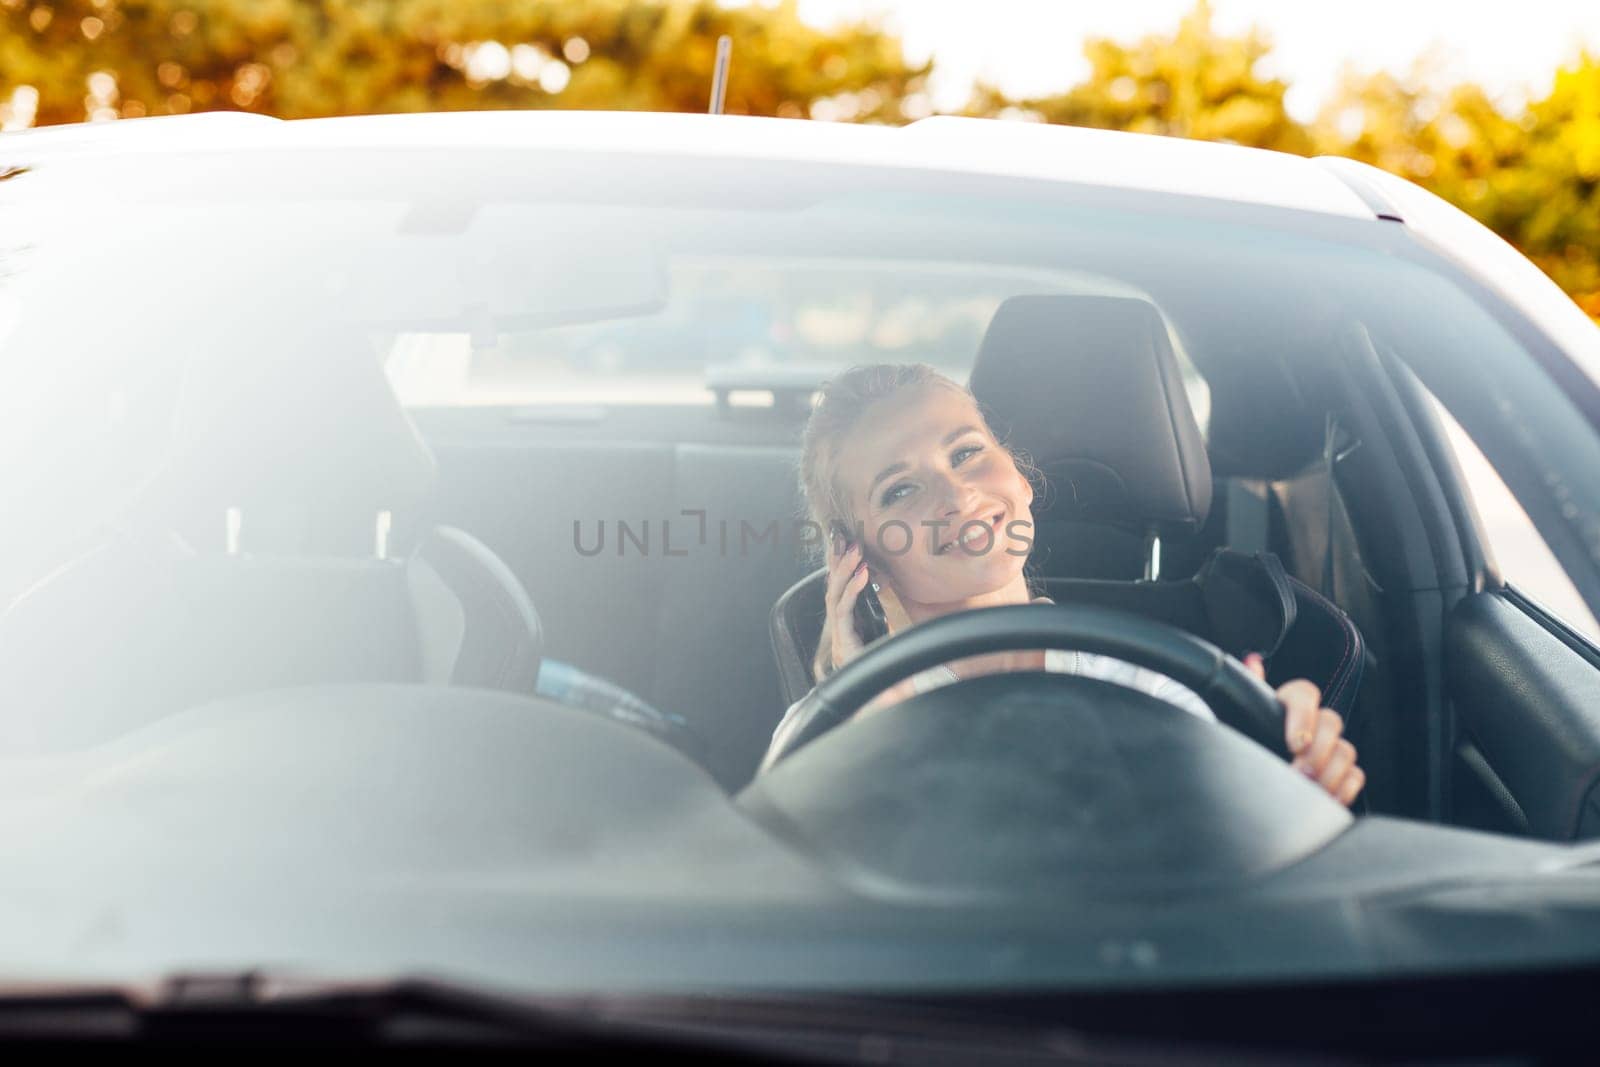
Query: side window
1525	561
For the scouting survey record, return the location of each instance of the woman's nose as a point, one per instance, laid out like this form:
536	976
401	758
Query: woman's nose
956	497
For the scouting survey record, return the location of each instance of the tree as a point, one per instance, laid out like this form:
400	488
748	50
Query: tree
1547	200
1531	176
108	58
1193	83
1531	173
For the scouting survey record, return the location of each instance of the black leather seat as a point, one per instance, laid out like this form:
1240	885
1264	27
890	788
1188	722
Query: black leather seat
254	562
1089	388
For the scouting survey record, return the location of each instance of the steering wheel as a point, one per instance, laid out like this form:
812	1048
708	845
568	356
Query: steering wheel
1238	698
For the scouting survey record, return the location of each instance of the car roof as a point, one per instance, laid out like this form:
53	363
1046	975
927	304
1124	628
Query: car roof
943	143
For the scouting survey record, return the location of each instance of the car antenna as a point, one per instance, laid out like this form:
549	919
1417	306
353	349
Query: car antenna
719	79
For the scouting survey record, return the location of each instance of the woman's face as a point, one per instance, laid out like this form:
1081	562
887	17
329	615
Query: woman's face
942	507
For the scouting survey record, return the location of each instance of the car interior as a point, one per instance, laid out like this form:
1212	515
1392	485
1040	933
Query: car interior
255	563
1117	442
1322	520
1316	515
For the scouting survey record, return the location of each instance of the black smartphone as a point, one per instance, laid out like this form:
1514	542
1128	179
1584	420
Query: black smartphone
870	623
869	618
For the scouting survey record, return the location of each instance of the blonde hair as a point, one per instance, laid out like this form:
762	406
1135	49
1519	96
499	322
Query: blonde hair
839	408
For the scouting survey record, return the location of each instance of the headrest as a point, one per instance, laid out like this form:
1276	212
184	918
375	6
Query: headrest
1089	388
295	423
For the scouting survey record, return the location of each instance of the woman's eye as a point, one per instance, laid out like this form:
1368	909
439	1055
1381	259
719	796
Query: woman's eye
962	454
894	493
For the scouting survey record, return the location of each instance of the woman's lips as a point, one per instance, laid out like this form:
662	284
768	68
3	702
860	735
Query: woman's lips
974	536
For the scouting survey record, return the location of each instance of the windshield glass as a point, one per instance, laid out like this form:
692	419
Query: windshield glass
363	484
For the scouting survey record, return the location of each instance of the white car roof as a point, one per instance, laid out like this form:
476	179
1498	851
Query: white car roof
950	144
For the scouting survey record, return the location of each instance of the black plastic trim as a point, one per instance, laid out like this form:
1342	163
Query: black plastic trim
1473	759
1376	201
1553	623
1476	554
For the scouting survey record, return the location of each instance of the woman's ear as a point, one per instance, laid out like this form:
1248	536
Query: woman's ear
1027	472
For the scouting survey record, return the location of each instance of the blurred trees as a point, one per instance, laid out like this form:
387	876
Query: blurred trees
1193	82
1531	175
296	59
1547	202
1531	171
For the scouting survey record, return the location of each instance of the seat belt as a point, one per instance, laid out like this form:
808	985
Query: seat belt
1336	445
1248	514
1330	434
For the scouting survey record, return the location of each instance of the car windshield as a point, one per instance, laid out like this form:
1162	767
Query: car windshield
577	500
516	288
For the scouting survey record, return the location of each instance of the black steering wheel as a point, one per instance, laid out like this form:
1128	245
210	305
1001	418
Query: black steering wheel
1238	698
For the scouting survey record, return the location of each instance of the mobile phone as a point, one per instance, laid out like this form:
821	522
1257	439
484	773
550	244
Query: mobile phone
869	617
870	623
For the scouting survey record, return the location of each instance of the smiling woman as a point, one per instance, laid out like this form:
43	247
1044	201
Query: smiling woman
961	501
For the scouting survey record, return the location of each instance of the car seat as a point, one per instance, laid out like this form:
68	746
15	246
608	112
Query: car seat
282	544
1088	388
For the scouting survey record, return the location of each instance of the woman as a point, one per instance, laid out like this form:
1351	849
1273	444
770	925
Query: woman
900	457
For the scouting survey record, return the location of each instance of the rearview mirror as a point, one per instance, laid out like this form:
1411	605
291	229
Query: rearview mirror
514	268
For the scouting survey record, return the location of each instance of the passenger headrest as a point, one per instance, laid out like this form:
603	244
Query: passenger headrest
1089	388
299	423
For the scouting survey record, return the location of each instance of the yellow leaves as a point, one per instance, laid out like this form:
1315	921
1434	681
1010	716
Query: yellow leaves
298	59
1581	138
1572	110
1530	172
249	81
1590	302
1194	82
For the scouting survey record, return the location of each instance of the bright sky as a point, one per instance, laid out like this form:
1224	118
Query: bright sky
1035	46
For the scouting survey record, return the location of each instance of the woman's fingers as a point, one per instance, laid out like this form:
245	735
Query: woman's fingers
1302	703
846	641
1340	763
845	606
845	566
1354	782
1302	707
840	568
1316	738
1330	728
1256	665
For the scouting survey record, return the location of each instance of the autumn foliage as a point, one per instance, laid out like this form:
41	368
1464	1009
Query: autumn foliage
1529	171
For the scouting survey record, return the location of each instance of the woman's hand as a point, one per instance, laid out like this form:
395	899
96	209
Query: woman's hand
847	577
1315	737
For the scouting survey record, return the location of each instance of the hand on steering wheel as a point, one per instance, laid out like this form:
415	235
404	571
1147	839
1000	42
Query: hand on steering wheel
1315	736
1238	695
